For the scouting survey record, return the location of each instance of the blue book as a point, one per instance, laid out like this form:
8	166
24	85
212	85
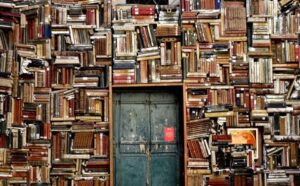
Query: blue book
123	65
47	31
218	4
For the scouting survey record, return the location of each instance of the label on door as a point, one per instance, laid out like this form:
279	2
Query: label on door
169	134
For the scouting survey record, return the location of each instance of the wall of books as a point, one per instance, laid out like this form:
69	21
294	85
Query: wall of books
242	124
237	60
54	89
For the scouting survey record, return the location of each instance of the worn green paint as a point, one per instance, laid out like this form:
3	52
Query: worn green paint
142	157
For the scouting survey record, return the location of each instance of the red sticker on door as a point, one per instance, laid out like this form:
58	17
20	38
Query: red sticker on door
169	134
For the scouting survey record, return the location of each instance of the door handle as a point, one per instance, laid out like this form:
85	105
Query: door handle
142	148
148	153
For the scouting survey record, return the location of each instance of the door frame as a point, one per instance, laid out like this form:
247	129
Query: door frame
177	90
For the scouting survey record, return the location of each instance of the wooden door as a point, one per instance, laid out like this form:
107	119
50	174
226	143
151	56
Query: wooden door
146	139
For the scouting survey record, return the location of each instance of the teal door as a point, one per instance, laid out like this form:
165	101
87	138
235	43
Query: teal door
146	150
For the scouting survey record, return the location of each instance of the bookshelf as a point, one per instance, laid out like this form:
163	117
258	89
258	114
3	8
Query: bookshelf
55	93
80	97
236	62
238	76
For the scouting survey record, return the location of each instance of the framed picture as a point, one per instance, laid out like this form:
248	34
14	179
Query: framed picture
245	136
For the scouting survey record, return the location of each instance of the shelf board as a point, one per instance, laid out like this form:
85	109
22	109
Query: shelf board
231	38
286	65
63	119
263	16
284	36
147	85
60	86
260	54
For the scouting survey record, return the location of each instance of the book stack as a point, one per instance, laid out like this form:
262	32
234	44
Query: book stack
143	13
146	44
239	73
34	86
134	40
102	51
278	177
248	80
217	180
6	59
216	68
198	132
82	52
125	45
167	33
242	104
243	177
188	6
25	134
35	30
148	54
205	56
256	67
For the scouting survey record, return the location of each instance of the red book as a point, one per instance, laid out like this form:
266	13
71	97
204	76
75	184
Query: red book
48	79
2	141
187	5
182	5
47	130
143	10
40	31
297	52
251	102
90	16
188	117
71	107
57	145
145	37
34	174
124	81
10	14
105	145
175	53
222	138
124	77
209	97
247	100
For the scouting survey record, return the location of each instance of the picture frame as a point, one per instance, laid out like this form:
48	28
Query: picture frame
246	136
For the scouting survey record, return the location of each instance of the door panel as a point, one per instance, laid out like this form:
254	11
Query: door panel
164	170
132	170
134	127
163	117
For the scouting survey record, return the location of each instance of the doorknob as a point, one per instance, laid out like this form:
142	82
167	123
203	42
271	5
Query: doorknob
148	154
142	147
